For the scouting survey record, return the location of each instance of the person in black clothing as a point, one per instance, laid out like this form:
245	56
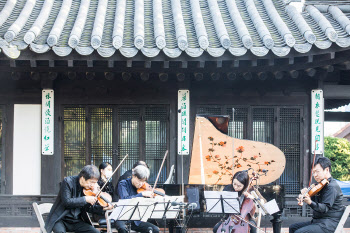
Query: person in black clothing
326	205
71	206
106	172
128	174
240	182
127	189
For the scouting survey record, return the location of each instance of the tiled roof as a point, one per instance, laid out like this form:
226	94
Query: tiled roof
169	26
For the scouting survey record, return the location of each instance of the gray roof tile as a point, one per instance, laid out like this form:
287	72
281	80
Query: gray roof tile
169	26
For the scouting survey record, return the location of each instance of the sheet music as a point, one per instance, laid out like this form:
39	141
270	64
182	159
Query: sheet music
126	207
160	205
213	202
271	207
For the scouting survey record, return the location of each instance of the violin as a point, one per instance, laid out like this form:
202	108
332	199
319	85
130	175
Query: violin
103	198
313	190
148	187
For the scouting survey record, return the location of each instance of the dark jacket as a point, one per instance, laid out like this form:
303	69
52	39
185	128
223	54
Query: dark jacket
68	200
108	189
127	191
327	206
126	175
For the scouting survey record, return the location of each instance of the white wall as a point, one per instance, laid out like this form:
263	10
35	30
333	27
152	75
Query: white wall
27	149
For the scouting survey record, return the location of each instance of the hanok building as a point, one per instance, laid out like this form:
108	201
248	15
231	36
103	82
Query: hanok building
116	66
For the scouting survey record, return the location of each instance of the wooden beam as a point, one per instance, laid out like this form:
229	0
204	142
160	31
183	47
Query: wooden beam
336	92
163	77
110	64
236	63
70	63
310	58
109	75
166	64
180	77
52	75
12	63
310	72
126	76
294	73
278	74
201	64
184	64
291	61
35	76
231	76
215	76
271	62
337	116
144	76
247	76
33	63
219	64
15	75
343	66
129	63
198	76
51	63
254	62
90	63
148	64
328	68
72	75
262	75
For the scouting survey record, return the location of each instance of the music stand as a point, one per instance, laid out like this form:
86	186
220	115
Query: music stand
222	202
163	209
135	209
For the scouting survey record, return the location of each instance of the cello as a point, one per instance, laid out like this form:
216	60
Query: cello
240	223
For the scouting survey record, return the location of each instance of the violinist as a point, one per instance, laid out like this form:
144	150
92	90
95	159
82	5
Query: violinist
128	173
106	171
240	182
326	204
127	189
69	212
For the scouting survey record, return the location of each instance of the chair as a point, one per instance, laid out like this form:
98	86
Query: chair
45	208
39	211
340	227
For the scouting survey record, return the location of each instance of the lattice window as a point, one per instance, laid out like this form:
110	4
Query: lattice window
209	110
74	140
1	149
263	125
101	135
156	122
129	136
290	145
241	119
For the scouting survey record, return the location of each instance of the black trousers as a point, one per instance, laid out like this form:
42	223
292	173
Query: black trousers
143	227
252	229
305	227
79	226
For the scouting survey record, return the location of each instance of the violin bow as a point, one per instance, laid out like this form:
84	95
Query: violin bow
111	175
160	169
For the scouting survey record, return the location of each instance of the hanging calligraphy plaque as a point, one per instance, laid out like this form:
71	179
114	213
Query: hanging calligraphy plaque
317	121
183	117
47	124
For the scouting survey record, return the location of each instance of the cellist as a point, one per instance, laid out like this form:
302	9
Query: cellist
240	182
326	204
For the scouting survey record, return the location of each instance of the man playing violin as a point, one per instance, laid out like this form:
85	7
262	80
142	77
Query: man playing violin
127	189
326	204
71	206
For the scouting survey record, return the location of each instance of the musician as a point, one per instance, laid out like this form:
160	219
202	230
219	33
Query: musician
106	172
127	189
240	182
326	205
71	206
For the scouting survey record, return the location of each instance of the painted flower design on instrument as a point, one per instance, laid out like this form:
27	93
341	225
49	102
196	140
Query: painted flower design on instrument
223	163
